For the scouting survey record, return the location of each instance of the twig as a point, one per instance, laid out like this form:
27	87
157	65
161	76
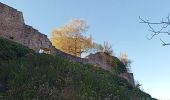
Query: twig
164	24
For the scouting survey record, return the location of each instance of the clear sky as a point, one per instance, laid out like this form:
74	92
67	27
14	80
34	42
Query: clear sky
117	22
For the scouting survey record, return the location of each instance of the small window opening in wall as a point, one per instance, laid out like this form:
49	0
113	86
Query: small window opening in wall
11	37
45	50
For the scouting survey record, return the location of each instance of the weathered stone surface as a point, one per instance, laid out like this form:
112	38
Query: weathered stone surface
34	39
11	23
102	60
12	27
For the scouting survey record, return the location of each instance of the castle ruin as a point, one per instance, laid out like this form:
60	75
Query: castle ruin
13	27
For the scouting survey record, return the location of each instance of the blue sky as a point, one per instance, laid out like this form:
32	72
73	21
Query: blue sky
117	22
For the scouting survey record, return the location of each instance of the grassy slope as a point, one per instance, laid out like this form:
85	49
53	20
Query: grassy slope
25	75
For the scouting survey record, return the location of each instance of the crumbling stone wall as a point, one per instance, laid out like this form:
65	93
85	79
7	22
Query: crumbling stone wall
102	60
34	39
12	27
11	23
96	60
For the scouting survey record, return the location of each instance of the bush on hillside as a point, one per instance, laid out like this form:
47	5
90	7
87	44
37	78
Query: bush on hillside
12	50
48	77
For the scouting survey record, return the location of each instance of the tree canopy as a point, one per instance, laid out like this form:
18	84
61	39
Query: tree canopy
71	38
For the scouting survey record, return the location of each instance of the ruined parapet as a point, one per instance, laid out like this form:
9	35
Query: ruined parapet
34	39
12	27
101	60
11	23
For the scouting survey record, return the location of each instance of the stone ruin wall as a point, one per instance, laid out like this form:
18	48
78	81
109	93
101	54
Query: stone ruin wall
12	27
101	60
97	60
34	39
11	23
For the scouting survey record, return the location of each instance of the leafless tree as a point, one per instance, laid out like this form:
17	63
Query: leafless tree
107	48
164	25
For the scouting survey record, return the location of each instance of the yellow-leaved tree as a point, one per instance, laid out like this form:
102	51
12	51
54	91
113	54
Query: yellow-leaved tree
124	59
71	38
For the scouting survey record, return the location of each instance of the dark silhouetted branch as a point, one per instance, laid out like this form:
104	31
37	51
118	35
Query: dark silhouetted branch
163	30
163	43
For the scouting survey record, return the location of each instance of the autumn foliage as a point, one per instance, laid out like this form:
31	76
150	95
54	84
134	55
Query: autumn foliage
71	38
124	59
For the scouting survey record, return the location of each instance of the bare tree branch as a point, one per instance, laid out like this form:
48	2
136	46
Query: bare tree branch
163	43
163	29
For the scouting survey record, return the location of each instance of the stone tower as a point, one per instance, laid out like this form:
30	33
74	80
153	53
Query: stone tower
12	27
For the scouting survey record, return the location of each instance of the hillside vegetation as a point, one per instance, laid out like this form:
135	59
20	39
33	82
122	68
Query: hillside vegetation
25	75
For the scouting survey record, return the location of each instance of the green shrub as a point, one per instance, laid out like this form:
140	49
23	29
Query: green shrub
46	77
12	50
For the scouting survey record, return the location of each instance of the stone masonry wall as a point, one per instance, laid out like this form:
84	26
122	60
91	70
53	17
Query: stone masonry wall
95	59
34	39
11	23
12	27
101	60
